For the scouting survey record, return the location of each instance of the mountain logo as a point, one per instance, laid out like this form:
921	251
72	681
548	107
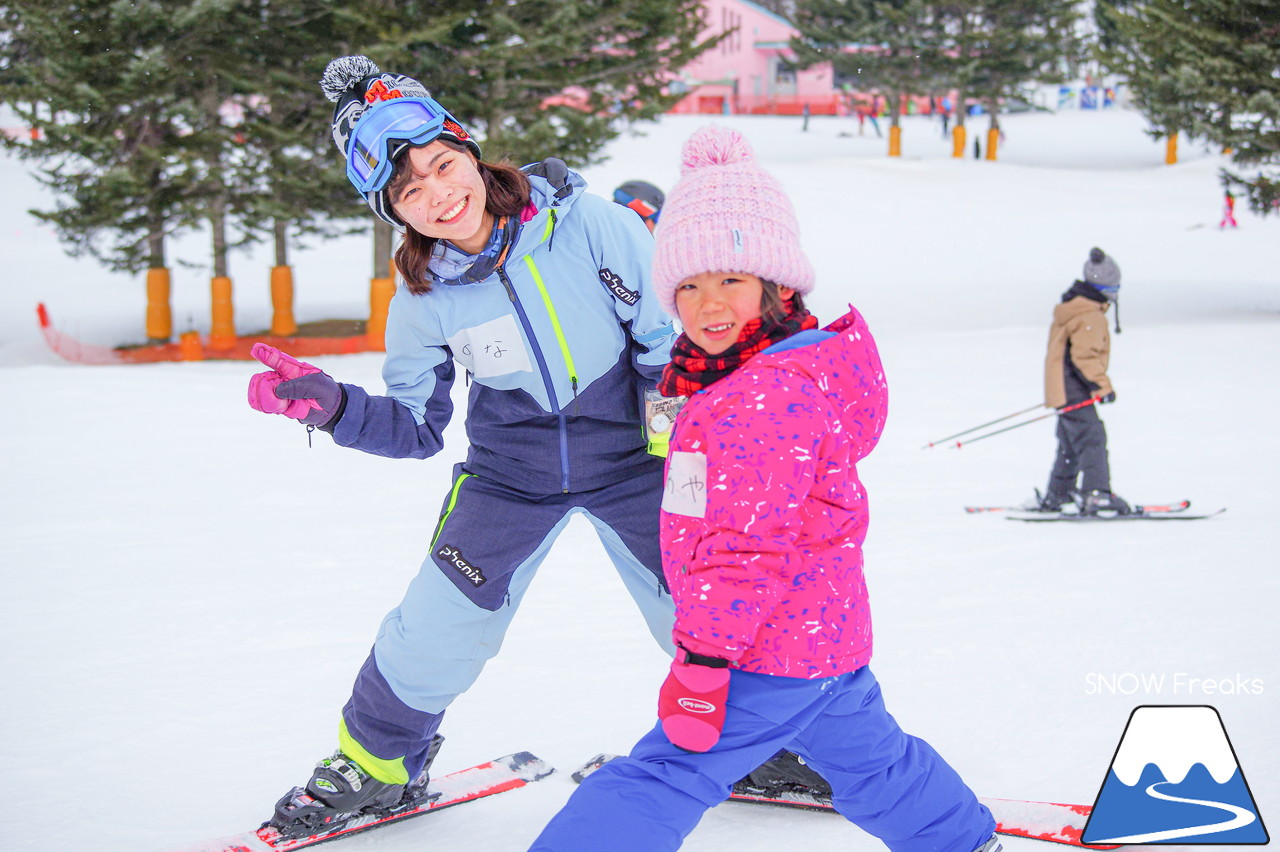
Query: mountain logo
1175	779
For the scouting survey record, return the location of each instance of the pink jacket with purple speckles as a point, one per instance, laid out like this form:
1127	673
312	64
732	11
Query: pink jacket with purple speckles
763	514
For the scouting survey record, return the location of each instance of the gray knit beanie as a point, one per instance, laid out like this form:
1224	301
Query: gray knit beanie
1101	271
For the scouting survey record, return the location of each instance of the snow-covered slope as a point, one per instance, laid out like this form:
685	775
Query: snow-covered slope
189	588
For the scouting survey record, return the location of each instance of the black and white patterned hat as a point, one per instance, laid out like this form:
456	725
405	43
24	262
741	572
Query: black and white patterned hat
354	84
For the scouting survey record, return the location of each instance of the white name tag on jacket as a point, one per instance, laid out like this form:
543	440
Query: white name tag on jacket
494	348
686	490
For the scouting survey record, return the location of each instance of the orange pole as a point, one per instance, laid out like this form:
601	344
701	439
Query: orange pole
222	330
159	313
380	292
957	140
189	346
993	141
895	141
282	321
1171	149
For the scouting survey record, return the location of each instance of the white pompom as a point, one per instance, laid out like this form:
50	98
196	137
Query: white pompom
343	73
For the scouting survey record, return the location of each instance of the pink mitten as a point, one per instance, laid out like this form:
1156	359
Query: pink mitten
284	368
691	701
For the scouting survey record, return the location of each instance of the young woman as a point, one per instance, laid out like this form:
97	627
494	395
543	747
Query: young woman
541	294
763	520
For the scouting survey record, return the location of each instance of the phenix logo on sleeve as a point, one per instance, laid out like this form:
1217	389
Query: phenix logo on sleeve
615	284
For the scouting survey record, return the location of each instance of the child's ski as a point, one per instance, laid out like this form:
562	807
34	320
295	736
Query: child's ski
1145	509
467	785
1045	517
1056	823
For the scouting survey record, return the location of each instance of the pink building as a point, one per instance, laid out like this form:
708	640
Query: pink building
749	71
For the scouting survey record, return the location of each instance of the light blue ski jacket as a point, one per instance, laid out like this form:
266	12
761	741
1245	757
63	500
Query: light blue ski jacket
559	345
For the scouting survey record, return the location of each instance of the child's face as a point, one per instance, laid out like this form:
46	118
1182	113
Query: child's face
714	306
444	197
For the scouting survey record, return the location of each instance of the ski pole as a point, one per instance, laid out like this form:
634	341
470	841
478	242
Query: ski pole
983	426
1090	401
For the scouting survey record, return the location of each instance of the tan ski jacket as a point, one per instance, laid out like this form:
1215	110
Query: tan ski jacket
1079	333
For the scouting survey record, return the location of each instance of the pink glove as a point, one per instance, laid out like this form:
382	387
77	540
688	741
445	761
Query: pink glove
691	701
293	388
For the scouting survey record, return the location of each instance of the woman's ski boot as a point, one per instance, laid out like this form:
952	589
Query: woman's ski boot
339	790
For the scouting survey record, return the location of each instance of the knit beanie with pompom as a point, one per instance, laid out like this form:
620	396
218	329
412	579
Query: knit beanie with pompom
726	214
1103	273
356	85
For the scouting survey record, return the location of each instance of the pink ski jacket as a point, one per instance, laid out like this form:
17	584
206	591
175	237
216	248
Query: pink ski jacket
763	515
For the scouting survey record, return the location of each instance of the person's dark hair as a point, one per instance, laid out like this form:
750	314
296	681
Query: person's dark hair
772	306
507	194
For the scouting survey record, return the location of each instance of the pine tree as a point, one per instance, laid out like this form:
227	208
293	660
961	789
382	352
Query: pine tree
284	131
982	48
158	114
895	46
1005	44
1210	69
504	69
113	120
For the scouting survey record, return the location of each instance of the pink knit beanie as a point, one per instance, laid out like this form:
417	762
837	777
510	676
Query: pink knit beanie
726	214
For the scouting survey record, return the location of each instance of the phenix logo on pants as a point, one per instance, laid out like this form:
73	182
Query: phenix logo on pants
453	556
1175	779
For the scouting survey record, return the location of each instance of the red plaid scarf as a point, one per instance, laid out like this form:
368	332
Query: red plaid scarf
691	369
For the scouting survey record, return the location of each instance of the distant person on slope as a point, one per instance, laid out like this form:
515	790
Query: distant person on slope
1228	211
763	520
1075	370
642	197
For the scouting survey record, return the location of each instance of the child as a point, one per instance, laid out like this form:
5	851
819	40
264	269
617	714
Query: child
762	528
1228	211
1075	370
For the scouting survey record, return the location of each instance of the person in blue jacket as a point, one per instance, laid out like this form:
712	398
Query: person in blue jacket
540	294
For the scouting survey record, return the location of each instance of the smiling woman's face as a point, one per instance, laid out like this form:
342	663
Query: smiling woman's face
443	196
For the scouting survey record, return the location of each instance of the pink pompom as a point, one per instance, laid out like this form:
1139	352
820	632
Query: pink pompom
715	146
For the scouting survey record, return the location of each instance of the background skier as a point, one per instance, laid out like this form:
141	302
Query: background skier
642	197
1075	370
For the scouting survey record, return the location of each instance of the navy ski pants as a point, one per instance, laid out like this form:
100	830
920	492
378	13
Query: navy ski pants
484	553
1082	454
886	782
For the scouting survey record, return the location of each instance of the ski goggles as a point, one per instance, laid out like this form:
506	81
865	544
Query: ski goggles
644	208
416	121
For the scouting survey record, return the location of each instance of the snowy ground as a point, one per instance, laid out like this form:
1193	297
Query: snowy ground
189	589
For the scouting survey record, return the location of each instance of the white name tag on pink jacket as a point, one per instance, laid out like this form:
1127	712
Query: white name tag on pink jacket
686	490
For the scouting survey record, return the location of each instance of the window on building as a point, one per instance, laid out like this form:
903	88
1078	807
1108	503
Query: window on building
841	80
731	22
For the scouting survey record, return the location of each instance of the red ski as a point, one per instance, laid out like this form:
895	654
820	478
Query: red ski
1051	821
1145	509
466	785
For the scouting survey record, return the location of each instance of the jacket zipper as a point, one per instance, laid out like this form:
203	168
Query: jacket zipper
555	324
546	377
